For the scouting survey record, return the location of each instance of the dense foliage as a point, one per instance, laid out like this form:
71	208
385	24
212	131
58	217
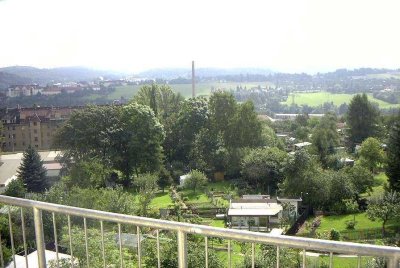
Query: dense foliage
31	171
362	118
393	156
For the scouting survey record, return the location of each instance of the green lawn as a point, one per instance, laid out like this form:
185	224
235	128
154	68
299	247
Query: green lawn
202	89
195	197
161	200
219	186
218	223
378	189
338	222
342	262
319	98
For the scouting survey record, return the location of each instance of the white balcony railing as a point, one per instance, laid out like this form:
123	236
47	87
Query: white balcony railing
392	254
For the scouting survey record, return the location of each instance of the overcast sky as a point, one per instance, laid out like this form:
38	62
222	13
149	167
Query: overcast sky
135	35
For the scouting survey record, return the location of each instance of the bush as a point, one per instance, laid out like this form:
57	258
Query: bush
351	224
334	235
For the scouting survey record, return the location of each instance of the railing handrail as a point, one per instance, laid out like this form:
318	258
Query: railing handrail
241	235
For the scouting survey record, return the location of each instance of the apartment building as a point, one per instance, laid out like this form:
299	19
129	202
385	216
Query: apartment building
31	126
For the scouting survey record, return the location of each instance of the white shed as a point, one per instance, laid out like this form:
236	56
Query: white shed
182	179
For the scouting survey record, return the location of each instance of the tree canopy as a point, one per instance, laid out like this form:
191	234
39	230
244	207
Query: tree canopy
393	156
371	154
32	172
362	118
128	138
263	168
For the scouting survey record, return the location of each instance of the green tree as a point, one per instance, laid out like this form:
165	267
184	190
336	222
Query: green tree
304	177
161	99
384	208
87	173
325	137
341	187
371	154
147	187
245	129
83	137
263	168
15	188
114	200
31	172
192	118
139	144
269	138
393	156
361	178
222	107
94	238
196	179
362	118
209	152
169	254
164	178
128	139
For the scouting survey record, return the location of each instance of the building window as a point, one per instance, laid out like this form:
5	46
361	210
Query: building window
23	143
13	128
35	131
34	123
36	139
15	144
37	146
9	136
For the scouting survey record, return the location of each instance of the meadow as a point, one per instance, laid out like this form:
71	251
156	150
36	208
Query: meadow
315	99
202	89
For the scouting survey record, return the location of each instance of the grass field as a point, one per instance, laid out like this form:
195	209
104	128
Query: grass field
318	98
161	200
339	222
379	76
379	182
202	89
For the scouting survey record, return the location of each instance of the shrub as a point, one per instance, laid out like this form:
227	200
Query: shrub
334	235
350	224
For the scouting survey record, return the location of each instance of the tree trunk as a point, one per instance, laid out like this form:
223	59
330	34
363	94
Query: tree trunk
383	229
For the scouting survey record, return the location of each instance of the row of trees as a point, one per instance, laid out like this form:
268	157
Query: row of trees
159	131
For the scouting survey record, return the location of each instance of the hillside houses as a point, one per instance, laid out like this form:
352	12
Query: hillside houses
54	89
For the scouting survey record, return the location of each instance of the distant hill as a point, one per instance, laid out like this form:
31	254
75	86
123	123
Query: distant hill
172	73
7	79
25	74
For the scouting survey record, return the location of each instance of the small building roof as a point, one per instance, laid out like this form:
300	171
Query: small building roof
253	212
276	231
51	256
302	144
253	208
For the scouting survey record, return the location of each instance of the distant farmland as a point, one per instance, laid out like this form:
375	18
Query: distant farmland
318	98
185	89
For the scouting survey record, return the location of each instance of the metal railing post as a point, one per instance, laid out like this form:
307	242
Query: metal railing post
394	262
182	250
37	217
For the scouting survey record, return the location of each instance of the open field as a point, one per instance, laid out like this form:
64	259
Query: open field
202	89
395	75
319	98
